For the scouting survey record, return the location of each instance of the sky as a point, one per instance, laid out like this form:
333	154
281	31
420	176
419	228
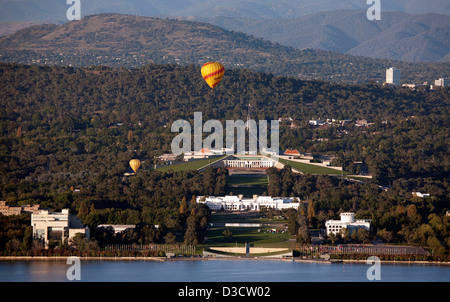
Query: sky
39	10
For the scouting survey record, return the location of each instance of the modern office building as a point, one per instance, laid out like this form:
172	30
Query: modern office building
347	221
8	210
440	83
393	76
56	225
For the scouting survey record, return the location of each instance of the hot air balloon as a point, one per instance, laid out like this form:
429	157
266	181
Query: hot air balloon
135	164
212	73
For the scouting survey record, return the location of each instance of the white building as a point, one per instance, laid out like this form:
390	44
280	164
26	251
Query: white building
393	76
421	195
201	154
238	203
347	221
56	225
117	228
248	162
440	83
318	122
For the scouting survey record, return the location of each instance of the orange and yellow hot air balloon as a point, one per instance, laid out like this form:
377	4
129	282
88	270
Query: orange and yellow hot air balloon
135	164
212	73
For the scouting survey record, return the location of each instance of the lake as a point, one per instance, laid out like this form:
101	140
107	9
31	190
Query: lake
216	271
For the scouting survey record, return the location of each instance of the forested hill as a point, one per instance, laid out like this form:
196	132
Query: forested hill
73	125
67	135
130	41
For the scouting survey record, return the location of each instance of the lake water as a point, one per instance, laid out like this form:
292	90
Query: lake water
216	271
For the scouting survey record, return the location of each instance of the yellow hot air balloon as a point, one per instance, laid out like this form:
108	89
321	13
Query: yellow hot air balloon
212	73
135	164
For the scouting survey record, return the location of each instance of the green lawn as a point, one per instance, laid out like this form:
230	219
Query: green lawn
236	218
190	165
312	169
247	180
242	235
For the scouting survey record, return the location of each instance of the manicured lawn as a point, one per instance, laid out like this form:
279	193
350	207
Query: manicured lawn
242	235
190	165
247	180
312	169
237	218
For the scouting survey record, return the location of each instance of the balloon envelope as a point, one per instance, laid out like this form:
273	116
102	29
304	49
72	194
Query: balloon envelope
135	164
212	73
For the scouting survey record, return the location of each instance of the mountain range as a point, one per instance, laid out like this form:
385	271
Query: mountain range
117	40
32	10
340	26
397	36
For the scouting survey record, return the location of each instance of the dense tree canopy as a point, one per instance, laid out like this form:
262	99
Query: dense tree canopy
66	129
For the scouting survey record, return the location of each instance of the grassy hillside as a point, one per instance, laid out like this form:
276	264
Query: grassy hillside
190	165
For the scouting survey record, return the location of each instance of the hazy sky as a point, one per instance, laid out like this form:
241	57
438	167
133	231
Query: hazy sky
20	10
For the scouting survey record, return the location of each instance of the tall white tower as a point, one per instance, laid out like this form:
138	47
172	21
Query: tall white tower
393	76
348	217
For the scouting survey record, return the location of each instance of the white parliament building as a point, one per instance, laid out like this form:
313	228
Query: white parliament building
238	203
347	221
248	162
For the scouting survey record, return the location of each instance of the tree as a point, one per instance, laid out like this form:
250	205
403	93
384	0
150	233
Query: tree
19	132
169	238
422	233
190	236
362	235
83	211
78	241
311	212
385	235
436	247
193	200
227	234
303	237
27	239
130	136
332	237
344	234
292	223
183	206
13	245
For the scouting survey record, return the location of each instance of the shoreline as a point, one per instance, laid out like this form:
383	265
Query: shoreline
165	259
